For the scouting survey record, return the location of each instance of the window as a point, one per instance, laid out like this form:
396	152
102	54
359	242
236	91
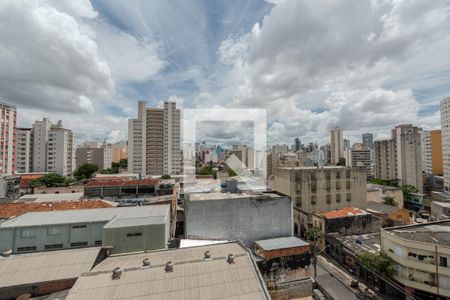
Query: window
134	234
347	185
348	197
338	175
443	261
78	226
313	199
78	244
54	246
328	199
98	243
298	201
26	249
347	174
338	198
53	231
27	233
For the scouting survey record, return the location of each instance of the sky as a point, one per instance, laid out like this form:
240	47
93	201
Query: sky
365	66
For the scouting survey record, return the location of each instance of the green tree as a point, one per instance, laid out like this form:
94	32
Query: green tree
123	163
381	263
85	171
312	234
50	180
390	182
408	190
166	177
341	162
389	201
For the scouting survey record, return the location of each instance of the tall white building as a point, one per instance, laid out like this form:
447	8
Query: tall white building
23	150
445	135
154	140
40	132
337	145
60	150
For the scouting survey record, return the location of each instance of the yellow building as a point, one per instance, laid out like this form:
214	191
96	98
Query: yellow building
422	254
432	152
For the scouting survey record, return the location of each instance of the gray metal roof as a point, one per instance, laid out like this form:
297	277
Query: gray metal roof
281	243
46	266
193	277
86	215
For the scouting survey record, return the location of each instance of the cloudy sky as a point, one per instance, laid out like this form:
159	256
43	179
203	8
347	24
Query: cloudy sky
363	65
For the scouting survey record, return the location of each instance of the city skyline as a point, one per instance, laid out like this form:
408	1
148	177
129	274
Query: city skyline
394	73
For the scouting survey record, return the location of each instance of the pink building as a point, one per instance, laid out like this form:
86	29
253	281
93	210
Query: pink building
7	139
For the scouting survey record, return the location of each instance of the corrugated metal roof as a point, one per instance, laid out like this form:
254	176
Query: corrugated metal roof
281	243
193	277
46	266
86	215
51	197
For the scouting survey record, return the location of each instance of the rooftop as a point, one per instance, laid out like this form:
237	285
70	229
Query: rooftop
344	212
378	207
281	243
360	242
9	210
46	266
223	196
86	215
431	233
51	197
192	277
442	204
376	187
118	182
315	168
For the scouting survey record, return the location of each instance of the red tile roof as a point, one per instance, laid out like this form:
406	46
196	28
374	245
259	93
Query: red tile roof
9	210
344	212
122	182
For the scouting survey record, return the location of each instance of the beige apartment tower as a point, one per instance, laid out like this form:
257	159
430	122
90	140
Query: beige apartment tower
385	159
337	145
445	134
154	140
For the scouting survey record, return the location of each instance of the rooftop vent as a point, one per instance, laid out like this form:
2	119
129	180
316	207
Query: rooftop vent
146	262
116	273
207	254
230	258
7	253
169	266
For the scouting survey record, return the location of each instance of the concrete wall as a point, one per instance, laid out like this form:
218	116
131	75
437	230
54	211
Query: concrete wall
245	219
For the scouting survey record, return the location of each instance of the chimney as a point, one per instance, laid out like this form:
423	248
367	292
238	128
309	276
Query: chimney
116	273
230	259
207	255
146	262
169	266
7	253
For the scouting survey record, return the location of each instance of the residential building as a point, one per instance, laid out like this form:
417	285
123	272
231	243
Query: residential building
100	155
245	217
61	150
314	189
445	128
379	193
392	215
218	271
440	211
367	140
119	151
9	187
119	188
40	132
290	257
297	144
346	144
281	149
154	140
244	154
326	152
337	145
432	152
421	253
122	229
8	139
409	155
40	274
385	159
360	156
23	150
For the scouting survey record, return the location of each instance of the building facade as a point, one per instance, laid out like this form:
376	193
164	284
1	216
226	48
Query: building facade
445	128
314	189
8	139
119	151
385	159
23	150
40	133
61	150
337	145
360	156
154	140
100	156
432	152
367	140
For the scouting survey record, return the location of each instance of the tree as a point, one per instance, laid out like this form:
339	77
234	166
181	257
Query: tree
389	201
389	182
313	234
85	171
408	190
166	177
380	263
50	180
341	162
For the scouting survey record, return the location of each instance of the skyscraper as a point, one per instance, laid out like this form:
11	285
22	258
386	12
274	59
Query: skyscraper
40	132
297	144
8	139
154	140
445	133
60	150
23	150
385	159
337	145
432	152
367	140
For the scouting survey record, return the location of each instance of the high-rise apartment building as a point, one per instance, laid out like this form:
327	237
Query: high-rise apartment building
432	152
385	159
60	150
337	145
119	151
367	140
8	139
445	128
409	155
23	150
297	144
100	155
360	156
154	140
40	133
